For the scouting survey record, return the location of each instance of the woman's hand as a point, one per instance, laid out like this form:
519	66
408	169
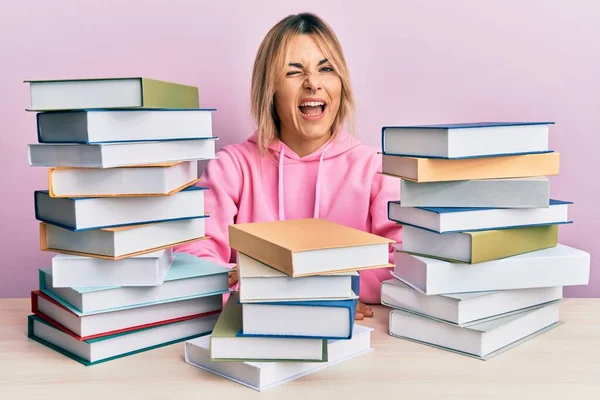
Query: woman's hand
233	276
362	311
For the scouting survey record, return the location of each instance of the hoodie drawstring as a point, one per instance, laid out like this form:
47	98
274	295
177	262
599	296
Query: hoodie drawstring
317	184
281	157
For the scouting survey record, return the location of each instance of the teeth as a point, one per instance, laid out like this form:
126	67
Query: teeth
312	104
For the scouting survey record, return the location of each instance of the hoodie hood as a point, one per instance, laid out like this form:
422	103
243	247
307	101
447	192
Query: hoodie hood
335	146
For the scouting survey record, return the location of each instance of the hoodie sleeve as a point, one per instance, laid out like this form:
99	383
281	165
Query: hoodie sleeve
383	189
223	179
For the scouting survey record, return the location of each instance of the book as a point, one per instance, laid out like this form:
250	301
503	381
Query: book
118	92
107	348
188	277
463	140
531	192
470	219
261	283
226	345
126	125
323	247
332	319
146	180
92	326
85	213
482	341
557	266
121	242
465	309
442	170
122	154
262	376
479	246
144	270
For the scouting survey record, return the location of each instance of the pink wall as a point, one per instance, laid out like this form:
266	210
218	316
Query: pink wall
411	62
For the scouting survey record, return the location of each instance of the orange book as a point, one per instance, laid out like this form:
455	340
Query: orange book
310	246
419	169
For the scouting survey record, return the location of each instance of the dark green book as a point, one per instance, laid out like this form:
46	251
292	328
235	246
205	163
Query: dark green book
226	345
111	93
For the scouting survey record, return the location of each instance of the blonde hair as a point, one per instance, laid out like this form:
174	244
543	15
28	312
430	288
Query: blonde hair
269	67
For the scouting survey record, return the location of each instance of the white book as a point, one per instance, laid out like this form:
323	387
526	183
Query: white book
144	270
110	155
482	341
261	283
121	242
107	212
557	266
117	92
265	375
465	309
227	345
461	219
476	247
87	326
189	277
89	352
146	180
315	319
531	192
466	139
125	125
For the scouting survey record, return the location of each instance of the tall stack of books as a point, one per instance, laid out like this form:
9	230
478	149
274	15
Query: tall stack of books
122	157
480	269
294	313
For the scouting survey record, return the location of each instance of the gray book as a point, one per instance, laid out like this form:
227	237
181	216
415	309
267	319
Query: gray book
533	192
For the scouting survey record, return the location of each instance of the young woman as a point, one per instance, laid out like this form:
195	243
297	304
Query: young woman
299	163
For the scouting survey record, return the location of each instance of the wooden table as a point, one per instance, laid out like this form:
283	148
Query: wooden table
563	363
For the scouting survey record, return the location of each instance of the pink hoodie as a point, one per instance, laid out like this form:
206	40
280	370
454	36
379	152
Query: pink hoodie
338	182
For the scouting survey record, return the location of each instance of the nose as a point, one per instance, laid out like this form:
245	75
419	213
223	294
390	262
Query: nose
312	83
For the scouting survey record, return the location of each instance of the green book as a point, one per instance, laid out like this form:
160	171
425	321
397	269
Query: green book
479	246
111	93
227	345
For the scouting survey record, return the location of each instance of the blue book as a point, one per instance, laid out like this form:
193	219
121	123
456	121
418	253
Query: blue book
124	125
189	277
292	319
87	213
94	351
466	140
468	219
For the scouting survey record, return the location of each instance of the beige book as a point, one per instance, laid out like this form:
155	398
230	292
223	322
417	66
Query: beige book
418	169
310	246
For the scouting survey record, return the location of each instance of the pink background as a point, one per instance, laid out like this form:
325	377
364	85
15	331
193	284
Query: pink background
411	62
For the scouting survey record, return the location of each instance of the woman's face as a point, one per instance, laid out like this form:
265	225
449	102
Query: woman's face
307	98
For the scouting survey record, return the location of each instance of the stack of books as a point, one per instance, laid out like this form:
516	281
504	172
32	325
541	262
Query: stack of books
294	312
480	269
122	159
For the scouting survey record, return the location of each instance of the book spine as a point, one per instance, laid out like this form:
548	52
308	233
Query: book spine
502	243
160	94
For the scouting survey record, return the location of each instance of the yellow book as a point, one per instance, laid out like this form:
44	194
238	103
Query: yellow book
419	169
479	246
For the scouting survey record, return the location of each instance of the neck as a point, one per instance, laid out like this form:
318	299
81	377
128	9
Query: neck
301	146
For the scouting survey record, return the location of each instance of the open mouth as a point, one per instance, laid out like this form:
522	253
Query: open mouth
312	108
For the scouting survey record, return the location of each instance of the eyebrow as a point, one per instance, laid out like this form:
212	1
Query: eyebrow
299	65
